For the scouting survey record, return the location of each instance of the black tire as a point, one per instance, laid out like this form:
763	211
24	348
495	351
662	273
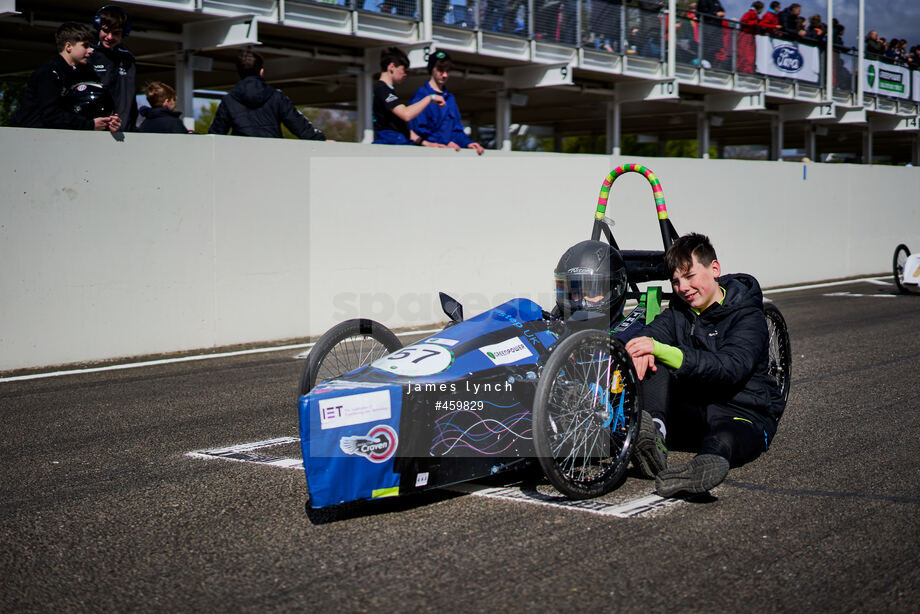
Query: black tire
901	252
345	347
780	350
570	407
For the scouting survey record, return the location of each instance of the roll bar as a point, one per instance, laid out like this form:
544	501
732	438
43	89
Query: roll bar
668	234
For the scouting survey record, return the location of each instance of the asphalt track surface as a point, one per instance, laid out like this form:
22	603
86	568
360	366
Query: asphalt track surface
103	510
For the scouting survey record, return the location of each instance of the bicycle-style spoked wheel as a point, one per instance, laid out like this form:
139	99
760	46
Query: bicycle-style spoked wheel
780	350
586	414
345	347
901	253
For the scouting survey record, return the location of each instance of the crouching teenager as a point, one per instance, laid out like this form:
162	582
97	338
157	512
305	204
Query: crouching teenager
704	366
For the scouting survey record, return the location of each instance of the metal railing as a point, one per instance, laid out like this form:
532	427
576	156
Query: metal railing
616	27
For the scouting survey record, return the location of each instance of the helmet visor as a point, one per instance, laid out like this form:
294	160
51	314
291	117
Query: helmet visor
591	292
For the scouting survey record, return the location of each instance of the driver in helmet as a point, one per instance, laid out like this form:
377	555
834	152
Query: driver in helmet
590	293
590	283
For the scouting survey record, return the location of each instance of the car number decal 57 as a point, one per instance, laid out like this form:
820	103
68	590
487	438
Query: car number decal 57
416	360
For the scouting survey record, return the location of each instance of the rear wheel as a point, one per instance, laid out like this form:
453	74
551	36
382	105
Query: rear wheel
345	347
901	253
586	414
780	350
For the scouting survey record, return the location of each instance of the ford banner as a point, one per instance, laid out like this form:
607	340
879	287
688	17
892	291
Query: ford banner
781	58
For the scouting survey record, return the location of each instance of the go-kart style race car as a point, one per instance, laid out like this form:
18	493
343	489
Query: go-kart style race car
512	386
906	270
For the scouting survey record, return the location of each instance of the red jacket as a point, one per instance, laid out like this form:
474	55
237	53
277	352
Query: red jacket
769	22
750	21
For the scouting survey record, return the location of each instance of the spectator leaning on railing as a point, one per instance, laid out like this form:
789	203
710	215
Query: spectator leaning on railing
816	32
769	23
391	117
713	43
254	108
440	125
161	116
875	48
114	64
49	98
790	27
747	45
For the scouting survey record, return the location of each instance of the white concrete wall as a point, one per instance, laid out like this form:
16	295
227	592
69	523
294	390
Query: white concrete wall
161	243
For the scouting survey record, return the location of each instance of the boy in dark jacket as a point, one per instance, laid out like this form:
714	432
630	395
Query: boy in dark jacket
47	102
254	108
161	116
115	65
715	391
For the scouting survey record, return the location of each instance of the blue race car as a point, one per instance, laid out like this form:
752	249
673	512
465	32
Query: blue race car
514	385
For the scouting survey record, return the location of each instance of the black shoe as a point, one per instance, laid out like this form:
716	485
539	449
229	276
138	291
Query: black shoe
704	472
651	455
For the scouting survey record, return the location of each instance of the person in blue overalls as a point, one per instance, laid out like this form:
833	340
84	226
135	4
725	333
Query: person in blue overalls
441	124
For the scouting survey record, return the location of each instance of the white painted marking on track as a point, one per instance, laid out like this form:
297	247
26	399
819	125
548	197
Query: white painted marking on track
243	453
862	295
826	284
627	509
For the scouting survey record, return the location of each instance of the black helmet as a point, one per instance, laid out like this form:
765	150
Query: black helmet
91	100
591	276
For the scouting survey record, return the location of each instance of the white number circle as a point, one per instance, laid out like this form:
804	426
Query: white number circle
419	359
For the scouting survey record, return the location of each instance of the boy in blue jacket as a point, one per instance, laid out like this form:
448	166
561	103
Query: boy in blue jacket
441	124
714	391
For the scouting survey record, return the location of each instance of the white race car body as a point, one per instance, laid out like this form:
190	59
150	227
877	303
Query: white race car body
912	270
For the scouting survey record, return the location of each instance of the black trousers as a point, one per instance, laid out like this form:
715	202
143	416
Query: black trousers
708	428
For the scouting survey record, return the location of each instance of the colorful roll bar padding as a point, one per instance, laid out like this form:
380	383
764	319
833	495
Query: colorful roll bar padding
631	168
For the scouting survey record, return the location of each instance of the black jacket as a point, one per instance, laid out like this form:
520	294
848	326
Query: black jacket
789	23
44	104
708	9
254	108
161	120
117	71
725	352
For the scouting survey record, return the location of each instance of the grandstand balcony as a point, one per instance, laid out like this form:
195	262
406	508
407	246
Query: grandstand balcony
562	68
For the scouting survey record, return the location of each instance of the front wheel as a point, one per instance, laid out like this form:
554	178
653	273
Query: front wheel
586	414
345	347
780	350
901	254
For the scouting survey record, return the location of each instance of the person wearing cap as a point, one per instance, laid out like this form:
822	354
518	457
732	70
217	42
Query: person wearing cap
115	65
391	117
441	125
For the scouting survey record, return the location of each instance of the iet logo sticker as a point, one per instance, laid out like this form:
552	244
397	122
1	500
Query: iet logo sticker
354	409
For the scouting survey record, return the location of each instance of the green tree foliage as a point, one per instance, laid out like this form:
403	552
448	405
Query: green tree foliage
10	94
205	116
336	124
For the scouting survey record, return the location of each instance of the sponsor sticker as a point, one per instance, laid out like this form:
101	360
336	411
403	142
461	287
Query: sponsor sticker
442	341
506	352
377	446
354	409
421	479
